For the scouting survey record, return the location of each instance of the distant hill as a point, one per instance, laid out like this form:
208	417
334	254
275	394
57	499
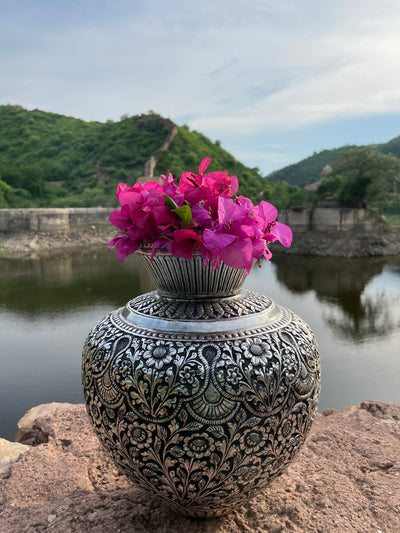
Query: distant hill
47	159
391	147
308	170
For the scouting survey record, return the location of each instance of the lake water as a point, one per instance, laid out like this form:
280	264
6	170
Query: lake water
47	308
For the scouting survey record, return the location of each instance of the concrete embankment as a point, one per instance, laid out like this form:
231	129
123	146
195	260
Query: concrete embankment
43	232
298	218
318	231
339	232
52	219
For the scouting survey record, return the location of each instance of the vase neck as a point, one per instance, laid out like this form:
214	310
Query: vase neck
181	278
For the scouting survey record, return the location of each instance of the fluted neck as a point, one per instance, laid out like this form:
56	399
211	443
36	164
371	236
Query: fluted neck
179	277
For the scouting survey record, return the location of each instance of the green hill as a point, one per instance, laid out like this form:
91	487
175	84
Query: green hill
308	170
359	176
47	159
391	147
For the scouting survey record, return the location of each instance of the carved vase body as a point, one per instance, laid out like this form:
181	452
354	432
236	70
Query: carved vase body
201	392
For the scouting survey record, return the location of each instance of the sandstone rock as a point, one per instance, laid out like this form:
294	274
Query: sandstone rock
345	479
11	450
33	244
28	432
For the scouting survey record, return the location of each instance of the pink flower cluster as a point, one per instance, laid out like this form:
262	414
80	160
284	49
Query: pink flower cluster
202	213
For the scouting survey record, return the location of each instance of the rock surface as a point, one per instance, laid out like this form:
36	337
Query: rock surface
11	450
345	479
28	432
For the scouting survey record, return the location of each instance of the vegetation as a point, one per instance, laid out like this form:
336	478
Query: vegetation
48	159
361	175
189	147
364	176
308	170
5	194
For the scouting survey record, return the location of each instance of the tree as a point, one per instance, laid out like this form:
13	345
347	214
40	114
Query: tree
331	187
368	176
5	194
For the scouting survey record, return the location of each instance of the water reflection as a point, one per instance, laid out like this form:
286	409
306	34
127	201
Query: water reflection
60	285
47	307
67	284
352	313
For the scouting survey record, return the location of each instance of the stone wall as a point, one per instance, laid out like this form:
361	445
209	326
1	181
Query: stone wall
87	216
298	218
14	220
327	218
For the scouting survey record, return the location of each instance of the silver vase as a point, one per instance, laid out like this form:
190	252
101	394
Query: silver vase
202	392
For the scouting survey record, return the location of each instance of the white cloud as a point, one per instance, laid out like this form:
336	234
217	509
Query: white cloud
342	72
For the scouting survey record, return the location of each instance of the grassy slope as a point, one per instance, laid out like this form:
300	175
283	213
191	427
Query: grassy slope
53	160
38	147
308	170
188	149
88	159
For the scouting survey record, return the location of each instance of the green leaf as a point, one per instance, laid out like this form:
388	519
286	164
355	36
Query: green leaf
185	214
169	202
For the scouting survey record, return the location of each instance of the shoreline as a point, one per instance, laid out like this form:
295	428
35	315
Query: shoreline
35	245
345	244
349	244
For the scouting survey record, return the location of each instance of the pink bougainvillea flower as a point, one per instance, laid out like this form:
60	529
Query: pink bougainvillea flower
124	245
123	187
218	182
267	212
207	187
163	217
184	243
237	239
279	232
201	216
203	165
171	190
216	241
124	192
233	251
203	212
260	249
239	254
236	219
120	218
273	230
190	182
221	184
229	212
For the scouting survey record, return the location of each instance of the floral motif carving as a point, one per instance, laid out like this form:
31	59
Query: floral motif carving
245	303
203	420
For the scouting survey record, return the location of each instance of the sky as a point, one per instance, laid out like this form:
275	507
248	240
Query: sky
274	81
